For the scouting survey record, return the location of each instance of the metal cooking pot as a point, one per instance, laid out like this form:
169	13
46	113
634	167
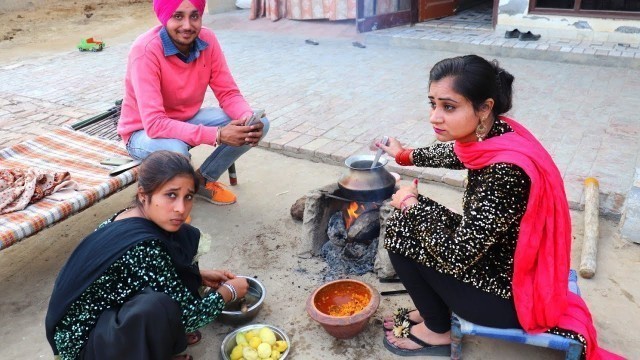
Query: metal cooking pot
365	184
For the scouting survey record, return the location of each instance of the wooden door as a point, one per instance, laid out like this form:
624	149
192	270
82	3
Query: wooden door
434	9
381	14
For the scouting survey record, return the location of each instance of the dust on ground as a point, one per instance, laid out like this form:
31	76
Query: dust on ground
59	25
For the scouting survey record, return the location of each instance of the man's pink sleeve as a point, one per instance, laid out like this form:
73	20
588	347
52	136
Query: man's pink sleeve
145	79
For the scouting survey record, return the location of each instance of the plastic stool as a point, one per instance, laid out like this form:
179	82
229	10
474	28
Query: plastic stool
461	327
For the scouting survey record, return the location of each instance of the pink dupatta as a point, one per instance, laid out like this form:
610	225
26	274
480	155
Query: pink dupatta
542	257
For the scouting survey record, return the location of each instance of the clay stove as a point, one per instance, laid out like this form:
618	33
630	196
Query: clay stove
347	234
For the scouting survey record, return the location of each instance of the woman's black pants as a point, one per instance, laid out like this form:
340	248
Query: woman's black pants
146	327
436	295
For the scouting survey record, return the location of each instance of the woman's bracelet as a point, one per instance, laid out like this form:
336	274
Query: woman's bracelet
403	158
409	196
234	293
403	207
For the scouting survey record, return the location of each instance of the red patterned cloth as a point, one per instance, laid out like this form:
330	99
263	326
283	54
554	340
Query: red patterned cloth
61	151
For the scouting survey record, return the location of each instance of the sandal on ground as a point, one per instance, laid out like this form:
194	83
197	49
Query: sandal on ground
425	350
401	319
182	357
193	337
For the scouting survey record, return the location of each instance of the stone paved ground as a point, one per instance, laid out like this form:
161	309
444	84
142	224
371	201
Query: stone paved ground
329	101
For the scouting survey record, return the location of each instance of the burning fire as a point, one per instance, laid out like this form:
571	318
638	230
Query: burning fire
351	213
354	210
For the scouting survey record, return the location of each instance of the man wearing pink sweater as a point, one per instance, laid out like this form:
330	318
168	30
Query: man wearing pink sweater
168	72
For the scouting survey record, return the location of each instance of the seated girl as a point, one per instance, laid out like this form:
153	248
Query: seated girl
130	289
504	261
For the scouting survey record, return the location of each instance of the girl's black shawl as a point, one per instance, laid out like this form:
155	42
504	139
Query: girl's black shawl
103	247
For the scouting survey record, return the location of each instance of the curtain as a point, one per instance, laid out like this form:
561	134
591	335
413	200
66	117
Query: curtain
303	9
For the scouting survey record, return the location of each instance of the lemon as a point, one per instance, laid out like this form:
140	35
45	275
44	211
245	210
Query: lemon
236	353
275	354
254	342
264	351
267	336
250	334
249	353
241	339
281	345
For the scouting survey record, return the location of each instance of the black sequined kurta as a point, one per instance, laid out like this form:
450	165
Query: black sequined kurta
477	246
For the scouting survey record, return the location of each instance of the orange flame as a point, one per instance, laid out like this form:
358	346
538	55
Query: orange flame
352	212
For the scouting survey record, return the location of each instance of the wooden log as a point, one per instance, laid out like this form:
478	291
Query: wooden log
591	228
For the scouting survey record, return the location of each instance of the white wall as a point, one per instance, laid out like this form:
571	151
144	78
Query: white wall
515	14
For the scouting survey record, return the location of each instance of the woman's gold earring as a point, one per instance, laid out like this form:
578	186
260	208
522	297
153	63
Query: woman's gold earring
481	129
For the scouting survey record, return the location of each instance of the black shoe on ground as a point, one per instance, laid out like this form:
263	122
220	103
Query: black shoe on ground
513	34
529	36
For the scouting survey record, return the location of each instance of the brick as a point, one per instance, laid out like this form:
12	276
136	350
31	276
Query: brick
344	152
296	144
434	174
315	144
38	117
279	143
455	178
329	148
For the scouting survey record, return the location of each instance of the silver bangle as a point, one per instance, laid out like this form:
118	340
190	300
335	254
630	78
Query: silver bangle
234	293
218	133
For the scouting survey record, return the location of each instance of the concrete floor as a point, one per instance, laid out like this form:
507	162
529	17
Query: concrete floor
258	237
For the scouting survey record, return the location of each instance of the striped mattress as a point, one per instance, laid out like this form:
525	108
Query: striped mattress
62	149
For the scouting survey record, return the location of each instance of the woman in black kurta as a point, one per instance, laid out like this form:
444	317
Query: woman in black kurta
130	289
457	262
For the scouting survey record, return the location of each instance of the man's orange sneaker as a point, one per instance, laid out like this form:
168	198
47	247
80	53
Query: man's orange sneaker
215	192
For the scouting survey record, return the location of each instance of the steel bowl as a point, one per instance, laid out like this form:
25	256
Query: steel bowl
229	341
231	314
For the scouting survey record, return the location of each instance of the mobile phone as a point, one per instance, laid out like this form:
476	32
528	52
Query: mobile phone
124	167
257	115
116	161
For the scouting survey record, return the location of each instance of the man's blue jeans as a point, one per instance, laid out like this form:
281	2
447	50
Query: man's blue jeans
140	145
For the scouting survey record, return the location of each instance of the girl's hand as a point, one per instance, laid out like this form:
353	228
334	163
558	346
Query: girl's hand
215	278
240	284
393	148
406	196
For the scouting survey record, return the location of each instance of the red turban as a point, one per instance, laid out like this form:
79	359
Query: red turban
165	8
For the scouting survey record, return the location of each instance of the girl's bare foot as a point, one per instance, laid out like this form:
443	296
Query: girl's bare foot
421	332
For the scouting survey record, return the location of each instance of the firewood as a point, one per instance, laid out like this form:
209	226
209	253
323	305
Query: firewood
591	231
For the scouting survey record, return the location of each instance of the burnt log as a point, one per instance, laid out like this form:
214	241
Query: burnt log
336	230
365	227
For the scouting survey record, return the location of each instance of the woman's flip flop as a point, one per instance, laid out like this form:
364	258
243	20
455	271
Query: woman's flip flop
425	350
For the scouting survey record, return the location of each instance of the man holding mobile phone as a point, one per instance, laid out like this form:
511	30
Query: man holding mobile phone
169	70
